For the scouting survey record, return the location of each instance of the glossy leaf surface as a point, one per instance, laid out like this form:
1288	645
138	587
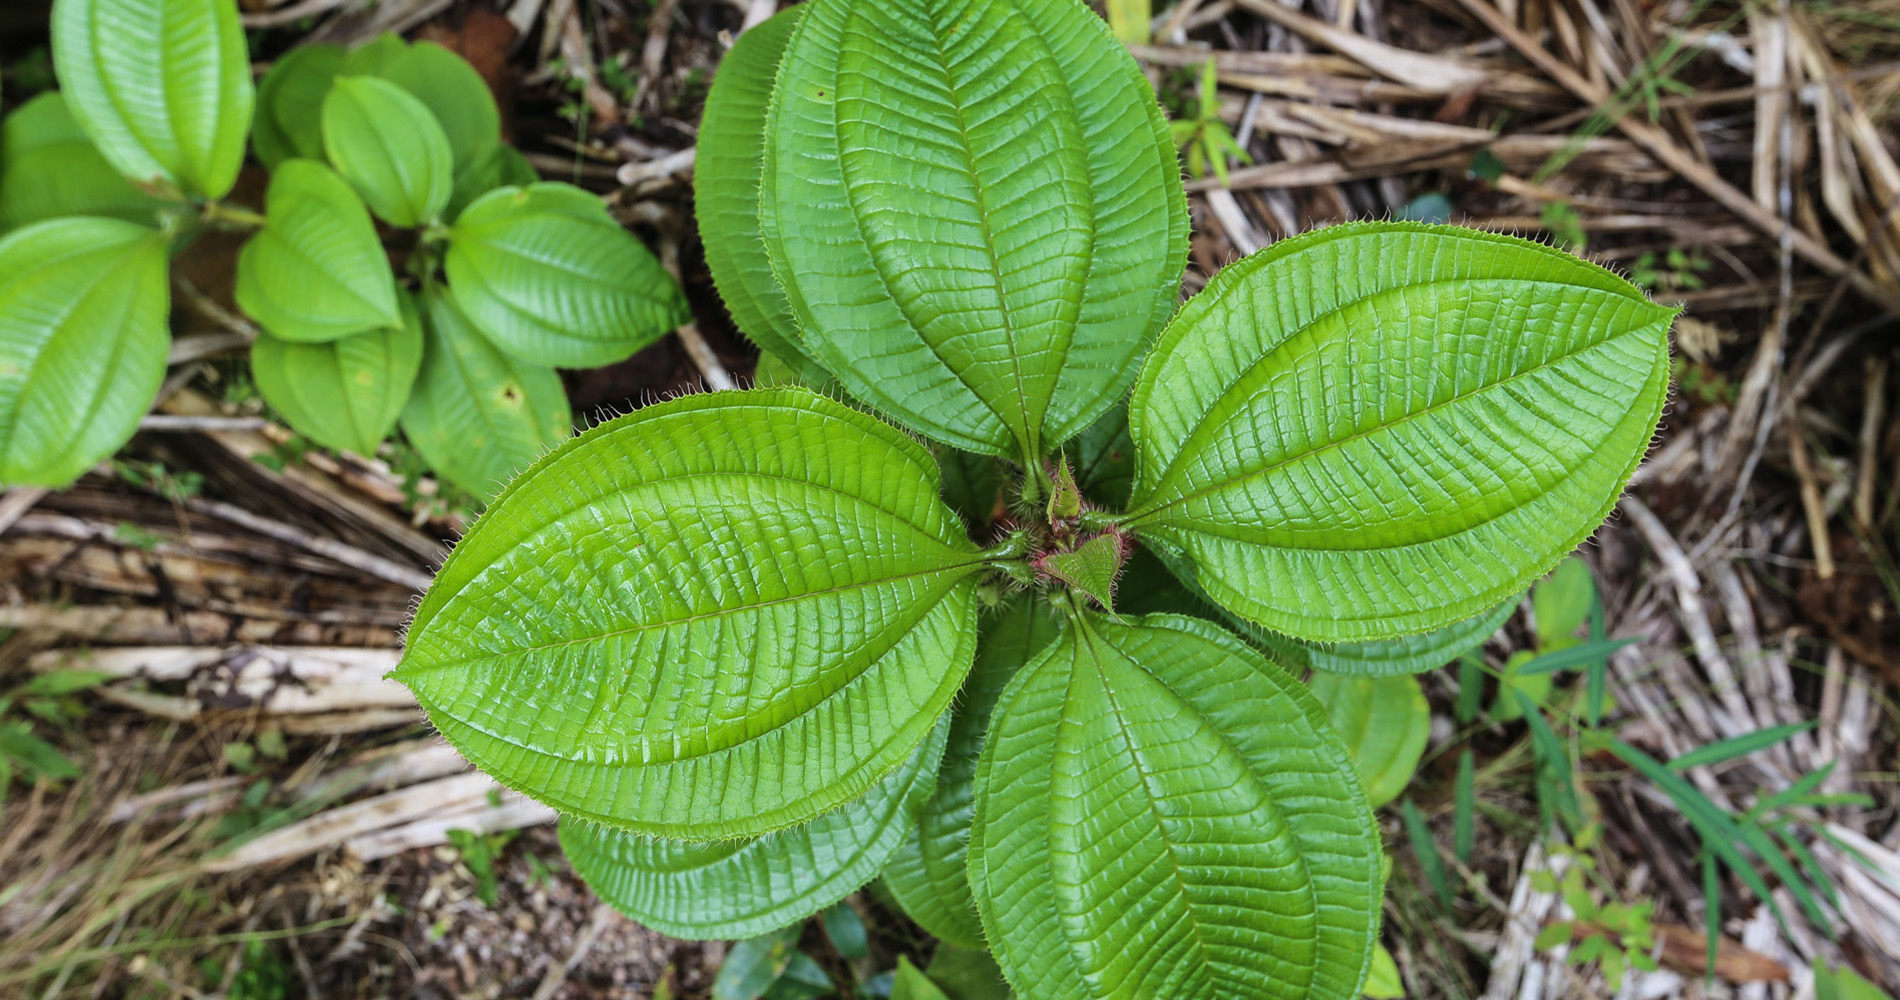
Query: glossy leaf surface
1161	812
316	271
49	169
549	276
83	304
754	628
477	415
390	148
1383	721
345	393
738	888
975	211
290	104
454	93
1377	429
726	190
163	89
929	874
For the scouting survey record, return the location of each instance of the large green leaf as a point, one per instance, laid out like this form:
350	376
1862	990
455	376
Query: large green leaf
929	874
316	271
1407	654
1383	721
345	393
548	275
975	211
290	104
164	89
738	888
83	304
458	97
49	169
726	191
1161	812
390	147
760	608
1379	429
477	415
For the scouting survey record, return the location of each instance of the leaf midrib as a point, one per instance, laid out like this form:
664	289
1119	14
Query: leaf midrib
1173	471
439	665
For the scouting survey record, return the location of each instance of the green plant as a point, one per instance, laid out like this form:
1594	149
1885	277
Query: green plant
1205	136
1616	936
1678	270
407	266
740	639
479	852
50	697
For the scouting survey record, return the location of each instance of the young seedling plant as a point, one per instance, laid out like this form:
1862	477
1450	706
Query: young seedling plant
406	266
745	647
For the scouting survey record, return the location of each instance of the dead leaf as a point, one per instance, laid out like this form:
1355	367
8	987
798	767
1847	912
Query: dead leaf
1687	951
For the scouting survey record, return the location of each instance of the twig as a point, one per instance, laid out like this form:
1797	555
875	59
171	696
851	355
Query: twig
348	555
758	13
604	917
192	424
650	170
1811	503
294	13
717	377
209	308
1665	150
15	502
1873	422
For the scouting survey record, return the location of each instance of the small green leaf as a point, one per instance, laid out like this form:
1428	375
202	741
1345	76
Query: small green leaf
975	211
345	394
62	682
1553	935
1091	568
374	57
290	104
738	888
1426	850
501	166
1383	983
454	93
549	276
1396	425
846	930
1161	809
726	191
49	169
1065	497
36	757
477	415
1561	601
1464	807
388	145
163	89
968	974
1737	746
1571	653
911	984
83	306
316	271
792	577
753	965
1840	984
1383	721
928	874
